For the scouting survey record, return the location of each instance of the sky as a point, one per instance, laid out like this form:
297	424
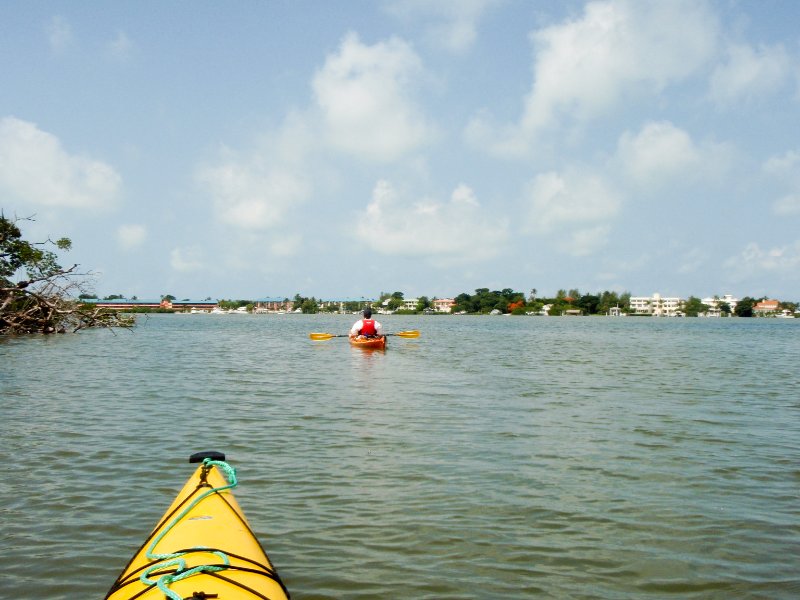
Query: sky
246	150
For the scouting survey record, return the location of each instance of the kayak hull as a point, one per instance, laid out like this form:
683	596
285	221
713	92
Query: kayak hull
377	343
211	532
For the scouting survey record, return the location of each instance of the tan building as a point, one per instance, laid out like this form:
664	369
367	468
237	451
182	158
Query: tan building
443	305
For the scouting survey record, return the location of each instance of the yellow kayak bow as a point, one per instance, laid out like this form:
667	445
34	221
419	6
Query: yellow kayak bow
202	547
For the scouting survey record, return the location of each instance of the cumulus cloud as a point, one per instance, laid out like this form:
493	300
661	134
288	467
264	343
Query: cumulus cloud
254	190
660	151
754	260
584	67
788	163
35	168
788	205
131	236
187	259
365	96
449	23
785	169
749	73
445	232
253	196
554	200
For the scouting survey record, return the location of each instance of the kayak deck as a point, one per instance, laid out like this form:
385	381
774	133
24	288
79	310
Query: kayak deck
376	343
202	547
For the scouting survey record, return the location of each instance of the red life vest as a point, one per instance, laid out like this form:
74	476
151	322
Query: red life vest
368	327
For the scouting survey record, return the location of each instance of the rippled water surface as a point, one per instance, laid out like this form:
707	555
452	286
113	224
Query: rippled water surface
490	458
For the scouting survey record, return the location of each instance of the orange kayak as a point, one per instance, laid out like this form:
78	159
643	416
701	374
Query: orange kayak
376	343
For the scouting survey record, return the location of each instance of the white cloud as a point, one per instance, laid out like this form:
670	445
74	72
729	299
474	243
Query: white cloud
252	195
788	205
558	202
754	260
187	259
749	73
450	232
785	169
659	150
585	67
59	34
449	23
662	152
364	93
255	190
786	164
35	168
131	236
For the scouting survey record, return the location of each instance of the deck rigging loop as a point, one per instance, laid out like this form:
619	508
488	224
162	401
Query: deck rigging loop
176	560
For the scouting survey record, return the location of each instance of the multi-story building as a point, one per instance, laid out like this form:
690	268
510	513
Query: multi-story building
656	306
410	304
714	303
443	305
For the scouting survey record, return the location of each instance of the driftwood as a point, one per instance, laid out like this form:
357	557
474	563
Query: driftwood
46	301
47	305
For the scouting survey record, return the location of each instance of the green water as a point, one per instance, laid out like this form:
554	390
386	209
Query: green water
493	457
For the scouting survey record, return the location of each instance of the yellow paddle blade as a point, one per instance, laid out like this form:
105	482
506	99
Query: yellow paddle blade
408	334
321	336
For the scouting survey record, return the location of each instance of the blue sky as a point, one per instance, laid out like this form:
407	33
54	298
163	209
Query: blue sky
261	149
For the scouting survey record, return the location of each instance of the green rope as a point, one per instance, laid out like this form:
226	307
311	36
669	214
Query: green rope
176	558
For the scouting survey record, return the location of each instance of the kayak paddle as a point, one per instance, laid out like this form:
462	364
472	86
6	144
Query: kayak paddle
406	334
326	336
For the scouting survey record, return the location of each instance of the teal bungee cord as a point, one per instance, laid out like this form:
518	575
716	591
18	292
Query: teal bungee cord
176	558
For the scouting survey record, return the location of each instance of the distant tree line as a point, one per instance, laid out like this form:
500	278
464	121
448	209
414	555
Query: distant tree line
484	301
509	301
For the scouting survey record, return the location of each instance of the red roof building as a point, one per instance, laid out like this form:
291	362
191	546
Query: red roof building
766	306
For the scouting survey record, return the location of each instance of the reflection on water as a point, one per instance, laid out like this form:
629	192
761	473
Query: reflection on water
490	458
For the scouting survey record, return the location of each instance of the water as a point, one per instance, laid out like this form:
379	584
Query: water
491	458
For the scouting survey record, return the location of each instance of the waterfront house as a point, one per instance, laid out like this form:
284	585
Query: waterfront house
272	305
443	305
766	307
339	304
714	303
410	304
656	306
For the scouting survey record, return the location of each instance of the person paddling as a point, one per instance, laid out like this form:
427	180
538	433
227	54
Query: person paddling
366	327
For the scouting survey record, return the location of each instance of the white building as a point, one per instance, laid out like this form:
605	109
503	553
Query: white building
656	306
443	305
410	304
713	304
